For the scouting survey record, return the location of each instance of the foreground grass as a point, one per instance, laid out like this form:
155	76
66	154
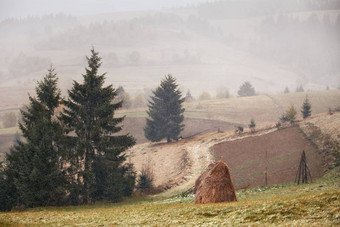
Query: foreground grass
316	204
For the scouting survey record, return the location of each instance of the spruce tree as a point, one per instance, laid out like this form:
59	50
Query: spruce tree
33	165
246	89
165	112
188	97
306	108
97	155
252	125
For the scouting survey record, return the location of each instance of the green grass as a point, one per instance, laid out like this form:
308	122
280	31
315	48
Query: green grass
316	204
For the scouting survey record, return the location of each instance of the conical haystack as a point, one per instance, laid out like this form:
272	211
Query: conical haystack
203	175
216	186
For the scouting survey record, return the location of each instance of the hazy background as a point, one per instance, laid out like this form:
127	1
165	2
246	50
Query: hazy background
24	8
207	45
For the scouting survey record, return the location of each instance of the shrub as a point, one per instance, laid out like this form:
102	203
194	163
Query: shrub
289	115
252	125
145	180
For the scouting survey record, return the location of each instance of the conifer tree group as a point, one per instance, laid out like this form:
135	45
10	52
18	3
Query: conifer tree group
246	89
72	157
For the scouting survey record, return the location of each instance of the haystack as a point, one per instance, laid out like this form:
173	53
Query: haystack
202	176
216	186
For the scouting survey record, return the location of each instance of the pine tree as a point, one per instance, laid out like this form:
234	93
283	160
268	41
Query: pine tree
252	125
97	155
306	108
246	89
188	97
122	95
165	112
33	165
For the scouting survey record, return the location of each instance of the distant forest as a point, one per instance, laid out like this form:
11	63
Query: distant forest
307	43
228	9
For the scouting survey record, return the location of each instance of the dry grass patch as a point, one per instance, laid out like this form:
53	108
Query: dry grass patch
316	204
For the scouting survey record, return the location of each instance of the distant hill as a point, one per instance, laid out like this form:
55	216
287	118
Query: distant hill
271	48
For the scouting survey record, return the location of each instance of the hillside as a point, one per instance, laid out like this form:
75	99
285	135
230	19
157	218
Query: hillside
277	152
226	114
176	166
204	116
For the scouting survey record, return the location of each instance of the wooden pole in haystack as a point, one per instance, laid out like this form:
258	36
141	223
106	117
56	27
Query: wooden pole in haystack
303	172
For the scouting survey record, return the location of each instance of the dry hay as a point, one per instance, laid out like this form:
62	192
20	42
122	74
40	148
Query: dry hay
202	176
216	186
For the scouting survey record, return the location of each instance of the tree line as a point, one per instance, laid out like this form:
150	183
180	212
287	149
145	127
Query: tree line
70	153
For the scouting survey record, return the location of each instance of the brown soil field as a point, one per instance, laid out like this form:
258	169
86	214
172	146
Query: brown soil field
278	152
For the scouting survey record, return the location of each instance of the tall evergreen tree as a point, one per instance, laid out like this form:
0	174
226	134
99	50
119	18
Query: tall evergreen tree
165	112
97	155
246	89
188	97
32	167
306	108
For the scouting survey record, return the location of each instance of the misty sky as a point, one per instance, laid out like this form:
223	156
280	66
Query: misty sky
24	8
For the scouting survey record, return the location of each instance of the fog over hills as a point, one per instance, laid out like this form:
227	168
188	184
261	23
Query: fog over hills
207	46
23	8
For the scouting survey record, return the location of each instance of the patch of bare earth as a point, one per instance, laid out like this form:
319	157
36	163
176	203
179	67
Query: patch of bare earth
277	152
177	165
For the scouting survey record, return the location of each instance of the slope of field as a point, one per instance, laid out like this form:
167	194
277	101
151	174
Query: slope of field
327	123
193	126
177	165
316	204
278	153
265	109
209	115
226	114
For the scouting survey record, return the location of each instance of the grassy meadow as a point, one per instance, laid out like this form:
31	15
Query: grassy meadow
315	204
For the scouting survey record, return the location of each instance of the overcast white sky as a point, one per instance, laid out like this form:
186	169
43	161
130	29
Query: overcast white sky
24	8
